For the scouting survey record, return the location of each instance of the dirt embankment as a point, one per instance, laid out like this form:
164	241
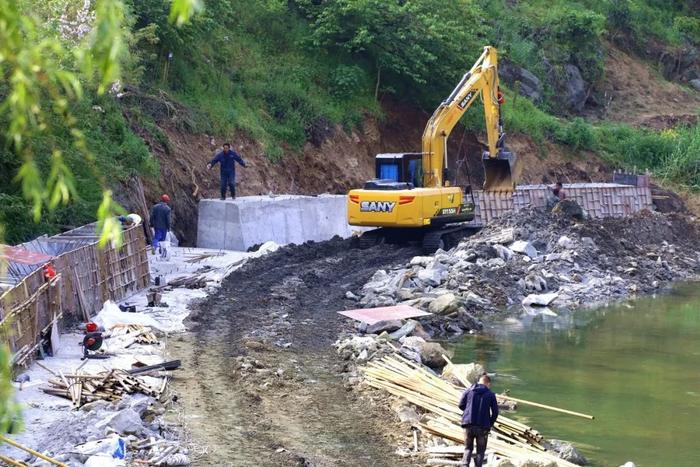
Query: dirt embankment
339	161
260	379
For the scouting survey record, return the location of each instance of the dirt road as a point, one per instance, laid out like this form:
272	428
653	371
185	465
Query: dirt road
262	384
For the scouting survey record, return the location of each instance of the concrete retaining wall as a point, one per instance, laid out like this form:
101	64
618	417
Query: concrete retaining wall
250	220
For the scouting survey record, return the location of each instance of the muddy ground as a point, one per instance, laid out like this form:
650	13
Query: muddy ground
261	383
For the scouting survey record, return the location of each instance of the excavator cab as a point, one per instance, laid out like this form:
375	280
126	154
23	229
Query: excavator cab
404	168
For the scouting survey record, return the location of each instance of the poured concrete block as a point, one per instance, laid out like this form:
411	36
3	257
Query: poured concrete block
251	220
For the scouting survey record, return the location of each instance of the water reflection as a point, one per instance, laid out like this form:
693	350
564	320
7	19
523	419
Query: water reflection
633	365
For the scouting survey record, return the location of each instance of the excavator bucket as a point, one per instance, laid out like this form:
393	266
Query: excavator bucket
500	171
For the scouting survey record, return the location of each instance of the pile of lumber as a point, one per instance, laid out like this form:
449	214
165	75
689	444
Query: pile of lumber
111	385
191	282
140	334
439	398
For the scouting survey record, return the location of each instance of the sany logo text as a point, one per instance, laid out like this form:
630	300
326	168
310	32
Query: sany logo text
377	206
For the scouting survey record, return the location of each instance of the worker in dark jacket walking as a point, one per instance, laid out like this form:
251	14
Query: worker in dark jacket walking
160	220
480	413
228	159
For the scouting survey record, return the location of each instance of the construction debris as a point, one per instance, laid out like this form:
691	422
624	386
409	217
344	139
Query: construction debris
189	282
533	258
509	439
109	385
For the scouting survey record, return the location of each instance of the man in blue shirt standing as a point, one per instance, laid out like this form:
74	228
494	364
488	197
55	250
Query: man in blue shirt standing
228	159
480	413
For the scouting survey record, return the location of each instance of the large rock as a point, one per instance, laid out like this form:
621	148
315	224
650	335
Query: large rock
469	372
444	304
575	92
384	325
529	85
125	421
695	83
421	260
540	299
431	354
569	208
468	322
566	451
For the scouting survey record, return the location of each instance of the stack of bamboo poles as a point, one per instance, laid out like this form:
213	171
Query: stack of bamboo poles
109	385
403	378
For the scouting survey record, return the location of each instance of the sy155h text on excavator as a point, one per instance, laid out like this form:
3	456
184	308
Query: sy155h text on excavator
411	196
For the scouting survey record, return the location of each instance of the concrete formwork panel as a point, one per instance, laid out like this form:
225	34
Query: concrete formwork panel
250	220
597	199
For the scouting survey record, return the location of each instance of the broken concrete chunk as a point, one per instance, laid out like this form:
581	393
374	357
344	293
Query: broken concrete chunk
432	277
565	242
405	330
126	421
525	248
504	253
351	296
495	263
540	299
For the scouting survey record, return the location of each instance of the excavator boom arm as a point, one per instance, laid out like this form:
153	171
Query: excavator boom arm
481	80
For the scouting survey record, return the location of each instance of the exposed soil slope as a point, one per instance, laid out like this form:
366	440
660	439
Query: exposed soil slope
640	96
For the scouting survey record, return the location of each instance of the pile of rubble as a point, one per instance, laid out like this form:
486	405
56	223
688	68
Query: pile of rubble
102	433
536	258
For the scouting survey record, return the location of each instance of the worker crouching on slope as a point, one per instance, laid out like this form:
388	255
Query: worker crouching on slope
480	413
228	159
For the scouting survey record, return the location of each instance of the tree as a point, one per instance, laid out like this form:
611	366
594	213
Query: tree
410	42
39	78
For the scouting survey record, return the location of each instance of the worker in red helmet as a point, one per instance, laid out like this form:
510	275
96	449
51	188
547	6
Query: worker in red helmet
160	220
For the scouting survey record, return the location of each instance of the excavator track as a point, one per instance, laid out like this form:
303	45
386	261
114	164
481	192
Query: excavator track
446	237
371	238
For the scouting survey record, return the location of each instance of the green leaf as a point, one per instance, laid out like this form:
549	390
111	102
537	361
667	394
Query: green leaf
108	225
182	10
32	188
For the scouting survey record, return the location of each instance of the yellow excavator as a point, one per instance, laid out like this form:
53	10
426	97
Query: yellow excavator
411	196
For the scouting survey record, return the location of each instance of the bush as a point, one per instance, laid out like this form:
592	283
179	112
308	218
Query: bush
578	134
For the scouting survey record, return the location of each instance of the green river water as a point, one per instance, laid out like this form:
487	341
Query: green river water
634	366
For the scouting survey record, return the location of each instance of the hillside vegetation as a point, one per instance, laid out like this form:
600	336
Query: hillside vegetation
278	71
